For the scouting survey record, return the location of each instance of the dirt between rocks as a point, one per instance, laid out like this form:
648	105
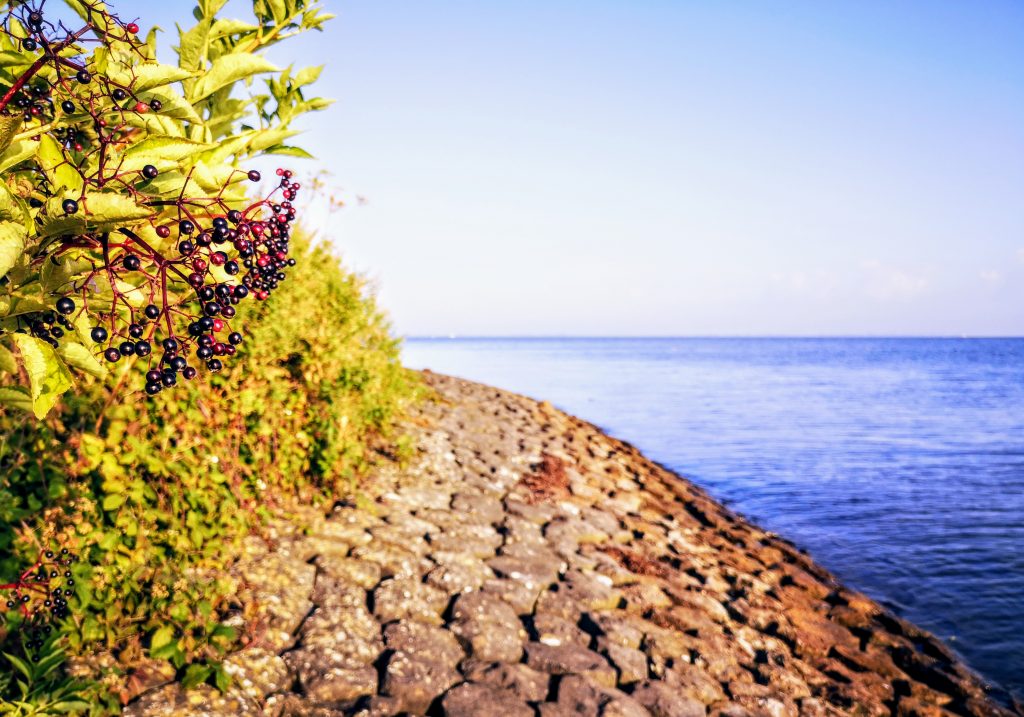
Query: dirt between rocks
526	564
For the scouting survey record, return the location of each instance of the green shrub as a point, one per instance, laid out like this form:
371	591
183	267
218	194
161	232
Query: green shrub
154	495
149	491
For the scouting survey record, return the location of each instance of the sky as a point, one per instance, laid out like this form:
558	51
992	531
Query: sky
655	167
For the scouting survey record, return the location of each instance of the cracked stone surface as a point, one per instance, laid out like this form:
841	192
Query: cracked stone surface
524	564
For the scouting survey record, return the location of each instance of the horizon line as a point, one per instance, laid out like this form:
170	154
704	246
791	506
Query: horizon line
542	337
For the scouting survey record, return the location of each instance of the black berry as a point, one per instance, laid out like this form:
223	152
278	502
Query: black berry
70	206
98	334
65	305
150	172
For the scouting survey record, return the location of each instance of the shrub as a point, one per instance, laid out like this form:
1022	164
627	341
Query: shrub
153	494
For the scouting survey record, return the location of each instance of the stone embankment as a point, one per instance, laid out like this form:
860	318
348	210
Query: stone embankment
525	564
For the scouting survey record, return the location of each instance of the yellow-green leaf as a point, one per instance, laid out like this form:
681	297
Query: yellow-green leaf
153	75
16	397
56	167
12	244
17	153
162	637
48	376
81	358
9	127
111	209
7	362
227	70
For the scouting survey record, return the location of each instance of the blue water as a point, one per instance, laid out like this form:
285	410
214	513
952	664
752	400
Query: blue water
898	463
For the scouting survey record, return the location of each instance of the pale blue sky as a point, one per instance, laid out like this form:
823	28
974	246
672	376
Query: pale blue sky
676	168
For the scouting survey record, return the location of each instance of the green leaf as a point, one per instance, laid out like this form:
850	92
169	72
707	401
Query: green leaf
9	127
290	151
7	362
48	376
16	397
227	70
195	675
152	75
221	678
18	153
157	148
113	502
74	354
22	666
162	637
12	244
56	166
111	209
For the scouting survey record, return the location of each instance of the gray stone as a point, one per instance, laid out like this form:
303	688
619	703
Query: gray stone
416	680
662	701
488	627
570	660
525	682
422	639
475	700
339	684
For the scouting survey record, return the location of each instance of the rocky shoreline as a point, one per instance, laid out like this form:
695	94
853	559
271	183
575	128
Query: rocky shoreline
526	564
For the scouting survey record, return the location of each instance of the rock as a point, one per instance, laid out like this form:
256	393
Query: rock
631	664
555	630
172	701
570	660
258	672
422	639
475	700
578	695
416	680
408	598
593	591
341	685
362	573
478	508
524	682
663	701
393	561
488	628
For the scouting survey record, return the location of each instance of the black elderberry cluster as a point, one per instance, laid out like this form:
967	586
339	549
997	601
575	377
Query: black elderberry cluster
40	596
251	244
50	326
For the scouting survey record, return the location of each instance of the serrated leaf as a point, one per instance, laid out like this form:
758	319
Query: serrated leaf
173	105
12	245
152	75
9	127
307	75
74	354
110	209
289	151
160	147
48	377
227	26
227	70
56	225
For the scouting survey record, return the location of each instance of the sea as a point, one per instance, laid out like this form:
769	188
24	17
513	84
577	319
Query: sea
898	463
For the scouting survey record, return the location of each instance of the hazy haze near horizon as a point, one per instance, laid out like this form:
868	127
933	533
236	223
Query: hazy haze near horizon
664	168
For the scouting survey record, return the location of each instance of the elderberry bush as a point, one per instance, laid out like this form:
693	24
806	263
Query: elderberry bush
129	232
38	599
